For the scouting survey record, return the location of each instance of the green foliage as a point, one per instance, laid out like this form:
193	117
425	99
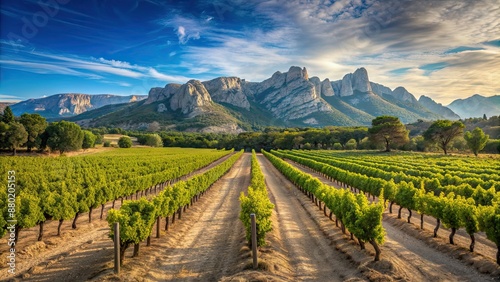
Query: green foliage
88	139
28	210
258	203
35	125
337	146
16	135
8	116
61	187
489	222
388	130
106	144
364	220
124	142
64	136
476	140
154	140
351	144
136	220
442	132
3	204
98	138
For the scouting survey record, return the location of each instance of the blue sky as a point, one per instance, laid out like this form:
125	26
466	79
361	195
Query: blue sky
443	49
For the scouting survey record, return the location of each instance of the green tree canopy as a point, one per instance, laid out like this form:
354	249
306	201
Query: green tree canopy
64	136
8	115
4	127
154	140
442	132
88	139
35	125
388	130
476	140
124	142
16	136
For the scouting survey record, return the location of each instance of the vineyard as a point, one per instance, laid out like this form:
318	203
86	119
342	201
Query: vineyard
321	215
63	188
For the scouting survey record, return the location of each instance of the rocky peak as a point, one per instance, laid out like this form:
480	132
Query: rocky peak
296	73
228	90
402	94
191	98
360	81
357	81
326	88
317	85
159	94
346	86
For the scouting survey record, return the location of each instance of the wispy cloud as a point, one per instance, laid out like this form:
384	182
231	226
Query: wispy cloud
186	27
46	63
9	98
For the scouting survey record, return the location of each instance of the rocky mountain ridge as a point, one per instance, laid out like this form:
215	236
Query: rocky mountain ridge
476	106
70	104
291	98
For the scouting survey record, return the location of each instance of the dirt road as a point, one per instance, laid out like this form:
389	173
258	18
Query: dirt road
209	247
309	251
412	258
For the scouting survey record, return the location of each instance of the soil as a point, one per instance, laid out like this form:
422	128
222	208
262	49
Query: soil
311	254
414	259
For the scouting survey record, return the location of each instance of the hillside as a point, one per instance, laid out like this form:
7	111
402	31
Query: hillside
476	106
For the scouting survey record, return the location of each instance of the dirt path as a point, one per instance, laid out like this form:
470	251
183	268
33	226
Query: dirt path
210	246
76	255
310	252
413	258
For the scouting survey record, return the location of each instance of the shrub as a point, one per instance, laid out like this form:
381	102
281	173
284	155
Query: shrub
124	142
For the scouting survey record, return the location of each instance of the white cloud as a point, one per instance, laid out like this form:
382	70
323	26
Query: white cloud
186	28
45	63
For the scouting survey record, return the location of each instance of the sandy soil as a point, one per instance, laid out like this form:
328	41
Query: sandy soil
309	251
413	259
76	255
208	248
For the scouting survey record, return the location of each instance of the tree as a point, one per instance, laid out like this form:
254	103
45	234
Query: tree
124	142
388	130
88	139
98	139
35	125
64	136
3	135
16	136
154	140
443	132
8	116
476	140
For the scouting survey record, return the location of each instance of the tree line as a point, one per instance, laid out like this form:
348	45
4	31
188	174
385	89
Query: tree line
33	131
386	133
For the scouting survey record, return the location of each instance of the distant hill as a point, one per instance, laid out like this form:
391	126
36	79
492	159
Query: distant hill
438	108
70	104
476	106
4	105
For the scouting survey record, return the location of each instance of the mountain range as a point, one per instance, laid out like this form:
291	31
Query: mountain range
70	104
232	104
